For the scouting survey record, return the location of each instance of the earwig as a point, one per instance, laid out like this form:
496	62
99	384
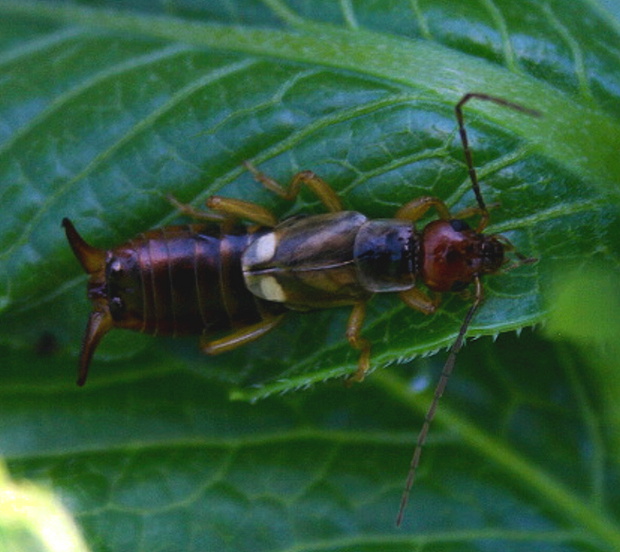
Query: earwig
232	283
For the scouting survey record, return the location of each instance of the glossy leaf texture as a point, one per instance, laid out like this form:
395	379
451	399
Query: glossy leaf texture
108	107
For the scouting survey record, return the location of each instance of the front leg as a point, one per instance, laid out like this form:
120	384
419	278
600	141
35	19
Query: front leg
418	300
417	208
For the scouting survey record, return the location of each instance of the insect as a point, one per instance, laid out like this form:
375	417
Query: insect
232	283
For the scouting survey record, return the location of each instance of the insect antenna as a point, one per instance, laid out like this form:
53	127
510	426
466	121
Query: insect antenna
483	211
439	389
473	176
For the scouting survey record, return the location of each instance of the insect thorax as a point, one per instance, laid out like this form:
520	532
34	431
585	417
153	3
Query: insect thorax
387	255
333	259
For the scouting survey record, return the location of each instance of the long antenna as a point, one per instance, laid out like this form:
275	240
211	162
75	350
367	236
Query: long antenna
456	347
473	176
439	389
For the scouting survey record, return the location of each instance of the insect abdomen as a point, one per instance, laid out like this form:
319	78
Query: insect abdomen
181	280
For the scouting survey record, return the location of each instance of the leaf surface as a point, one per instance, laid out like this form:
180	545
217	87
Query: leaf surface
105	109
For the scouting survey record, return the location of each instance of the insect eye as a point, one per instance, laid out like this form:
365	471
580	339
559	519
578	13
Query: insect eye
459	225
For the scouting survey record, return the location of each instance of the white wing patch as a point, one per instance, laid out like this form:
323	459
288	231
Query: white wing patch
271	289
260	251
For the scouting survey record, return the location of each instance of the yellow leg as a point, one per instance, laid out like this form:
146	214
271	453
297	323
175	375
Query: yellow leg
477	211
469	212
227	210
319	187
239	337
192	212
418	300
416	209
354	328
240	209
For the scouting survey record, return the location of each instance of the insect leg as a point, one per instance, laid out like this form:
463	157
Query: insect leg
418	300
227	209
354	327
319	187
239	337
470	212
191	211
240	209
415	209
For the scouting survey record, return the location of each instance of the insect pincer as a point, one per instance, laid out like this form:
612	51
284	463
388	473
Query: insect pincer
100	321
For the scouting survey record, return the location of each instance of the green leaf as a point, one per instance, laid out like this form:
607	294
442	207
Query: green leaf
106	109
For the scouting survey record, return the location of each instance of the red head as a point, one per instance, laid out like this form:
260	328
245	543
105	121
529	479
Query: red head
453	255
